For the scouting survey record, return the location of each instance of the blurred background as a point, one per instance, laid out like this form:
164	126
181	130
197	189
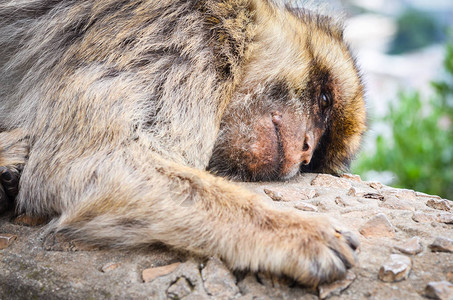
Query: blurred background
405	51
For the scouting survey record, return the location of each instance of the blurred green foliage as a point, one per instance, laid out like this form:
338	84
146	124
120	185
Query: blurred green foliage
420	150
416	29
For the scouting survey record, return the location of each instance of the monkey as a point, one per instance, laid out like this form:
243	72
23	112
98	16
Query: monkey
131	120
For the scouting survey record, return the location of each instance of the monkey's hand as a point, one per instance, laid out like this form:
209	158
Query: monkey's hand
14	148
313	250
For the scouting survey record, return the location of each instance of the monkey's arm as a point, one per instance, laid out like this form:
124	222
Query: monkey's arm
13	155
154	200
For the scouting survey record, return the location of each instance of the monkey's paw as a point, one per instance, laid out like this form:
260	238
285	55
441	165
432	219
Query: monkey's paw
9	185
325	252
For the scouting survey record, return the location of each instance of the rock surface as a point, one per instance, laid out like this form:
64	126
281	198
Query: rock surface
442	290
406	221
335	288
439	204
442	244
396	268
412	246
378	226
150	274
6	240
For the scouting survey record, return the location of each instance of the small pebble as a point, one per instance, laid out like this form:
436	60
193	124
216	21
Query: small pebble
378	226
305	207
152	273
335	288
438	204
442	244
412	246
276	196
218	280
376	196
421	217
110	267
375	185
397	268
331	181
339	201
352	177
308	193
356	192
442	290
6	240
179	289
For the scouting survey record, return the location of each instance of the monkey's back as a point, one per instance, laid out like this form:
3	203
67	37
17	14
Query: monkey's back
86	77
153	65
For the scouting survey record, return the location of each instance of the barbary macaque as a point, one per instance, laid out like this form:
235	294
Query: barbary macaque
123	117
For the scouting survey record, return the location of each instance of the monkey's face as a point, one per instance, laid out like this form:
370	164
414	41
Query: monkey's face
268	133
299	106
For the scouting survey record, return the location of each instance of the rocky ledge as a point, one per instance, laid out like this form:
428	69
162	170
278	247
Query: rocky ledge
406	252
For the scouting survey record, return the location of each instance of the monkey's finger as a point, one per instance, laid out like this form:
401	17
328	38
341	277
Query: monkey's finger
9	178
351	239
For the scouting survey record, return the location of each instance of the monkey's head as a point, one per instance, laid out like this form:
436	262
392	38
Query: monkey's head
299	105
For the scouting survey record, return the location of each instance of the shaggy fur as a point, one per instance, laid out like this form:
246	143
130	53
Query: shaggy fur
122	105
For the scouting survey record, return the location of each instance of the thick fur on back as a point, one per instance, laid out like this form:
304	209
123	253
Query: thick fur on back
122	103
156	50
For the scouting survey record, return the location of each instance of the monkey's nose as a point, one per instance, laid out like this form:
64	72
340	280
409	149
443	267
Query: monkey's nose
307	150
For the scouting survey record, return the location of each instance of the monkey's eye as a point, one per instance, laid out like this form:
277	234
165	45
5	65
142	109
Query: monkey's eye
325	100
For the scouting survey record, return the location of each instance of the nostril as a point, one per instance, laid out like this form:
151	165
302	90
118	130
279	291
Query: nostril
307	149
308	142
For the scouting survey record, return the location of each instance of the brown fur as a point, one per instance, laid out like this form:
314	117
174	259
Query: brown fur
126	103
